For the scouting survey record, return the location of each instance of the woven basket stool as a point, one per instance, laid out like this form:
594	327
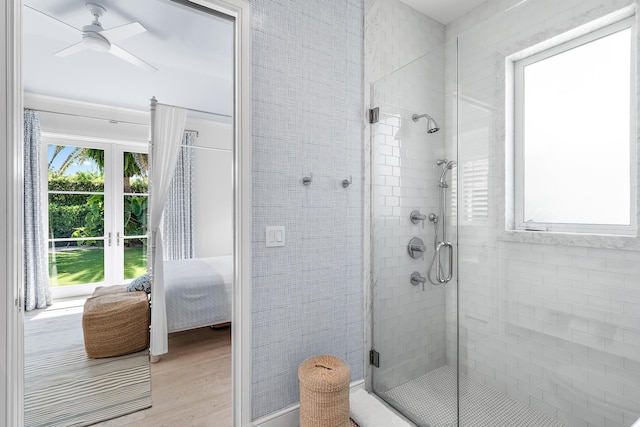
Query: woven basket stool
115	322
324	392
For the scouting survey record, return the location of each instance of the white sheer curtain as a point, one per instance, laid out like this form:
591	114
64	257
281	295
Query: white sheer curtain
177	221
167	128
36	277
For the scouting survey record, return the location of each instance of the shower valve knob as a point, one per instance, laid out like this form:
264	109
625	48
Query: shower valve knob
417	217
416	248
418	279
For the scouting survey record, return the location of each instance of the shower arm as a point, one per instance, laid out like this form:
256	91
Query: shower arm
417	117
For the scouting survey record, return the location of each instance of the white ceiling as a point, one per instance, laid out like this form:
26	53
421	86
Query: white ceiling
444	11
192	51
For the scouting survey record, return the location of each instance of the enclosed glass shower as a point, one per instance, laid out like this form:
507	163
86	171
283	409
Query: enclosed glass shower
530	330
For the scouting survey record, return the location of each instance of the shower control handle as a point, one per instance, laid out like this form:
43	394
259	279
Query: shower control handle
416	248
417	217
418	279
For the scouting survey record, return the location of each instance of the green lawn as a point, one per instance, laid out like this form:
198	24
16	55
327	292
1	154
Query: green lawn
80	266
135	262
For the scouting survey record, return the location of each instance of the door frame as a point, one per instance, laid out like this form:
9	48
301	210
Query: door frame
113	197
109	201
11	215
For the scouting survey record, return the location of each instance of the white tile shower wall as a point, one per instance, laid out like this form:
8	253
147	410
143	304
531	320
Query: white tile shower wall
554	326
395	35
409	324
307	62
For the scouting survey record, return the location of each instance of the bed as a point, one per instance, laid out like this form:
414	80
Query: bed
198	292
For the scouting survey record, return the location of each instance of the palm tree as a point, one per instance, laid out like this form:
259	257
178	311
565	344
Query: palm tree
135	164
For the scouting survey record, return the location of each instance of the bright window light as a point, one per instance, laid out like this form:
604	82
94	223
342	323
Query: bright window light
574	134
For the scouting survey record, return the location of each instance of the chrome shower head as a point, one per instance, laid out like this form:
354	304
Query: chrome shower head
432	126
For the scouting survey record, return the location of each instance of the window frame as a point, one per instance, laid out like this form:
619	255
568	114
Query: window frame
518	97
112	193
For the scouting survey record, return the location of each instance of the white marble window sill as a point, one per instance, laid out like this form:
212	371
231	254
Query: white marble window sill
571	239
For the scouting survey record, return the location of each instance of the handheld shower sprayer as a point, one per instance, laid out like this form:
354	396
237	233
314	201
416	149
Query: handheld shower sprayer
440	242
446	166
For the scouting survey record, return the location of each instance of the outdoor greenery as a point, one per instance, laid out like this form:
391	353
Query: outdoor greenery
67	212
79	266
135	215
82	215
93	220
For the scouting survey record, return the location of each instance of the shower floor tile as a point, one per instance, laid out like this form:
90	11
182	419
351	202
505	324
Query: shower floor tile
432	399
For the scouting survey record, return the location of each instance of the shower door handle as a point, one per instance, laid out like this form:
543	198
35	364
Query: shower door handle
439	273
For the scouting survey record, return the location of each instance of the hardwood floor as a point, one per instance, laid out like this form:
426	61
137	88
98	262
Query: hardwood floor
191	385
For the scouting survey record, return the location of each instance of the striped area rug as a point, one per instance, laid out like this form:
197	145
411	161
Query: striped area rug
63	387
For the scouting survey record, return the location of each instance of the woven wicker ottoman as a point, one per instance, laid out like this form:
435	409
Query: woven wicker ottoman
115	322
324	392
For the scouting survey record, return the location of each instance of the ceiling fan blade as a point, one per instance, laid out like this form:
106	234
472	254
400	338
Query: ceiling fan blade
123	32
52	18
123	54
74	48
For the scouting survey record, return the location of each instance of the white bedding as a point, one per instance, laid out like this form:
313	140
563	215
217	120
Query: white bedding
198	292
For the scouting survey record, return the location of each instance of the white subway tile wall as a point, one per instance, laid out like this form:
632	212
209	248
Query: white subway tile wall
307	61
395	35
554	326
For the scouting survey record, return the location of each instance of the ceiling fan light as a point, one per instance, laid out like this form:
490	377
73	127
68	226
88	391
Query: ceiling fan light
96	42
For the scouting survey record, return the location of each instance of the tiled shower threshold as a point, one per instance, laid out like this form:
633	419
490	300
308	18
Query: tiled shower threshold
431	399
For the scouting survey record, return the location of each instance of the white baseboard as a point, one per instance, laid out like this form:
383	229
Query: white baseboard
290	417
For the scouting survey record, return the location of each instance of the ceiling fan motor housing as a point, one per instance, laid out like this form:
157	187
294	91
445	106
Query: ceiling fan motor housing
92	37
94	40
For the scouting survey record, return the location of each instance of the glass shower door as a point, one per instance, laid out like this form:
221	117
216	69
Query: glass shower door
414	327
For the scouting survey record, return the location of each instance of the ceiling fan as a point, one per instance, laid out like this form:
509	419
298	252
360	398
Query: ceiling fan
96	38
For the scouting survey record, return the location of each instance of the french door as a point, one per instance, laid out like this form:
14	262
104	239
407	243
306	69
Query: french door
97	214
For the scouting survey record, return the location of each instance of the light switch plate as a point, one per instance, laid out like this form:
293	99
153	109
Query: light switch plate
274	236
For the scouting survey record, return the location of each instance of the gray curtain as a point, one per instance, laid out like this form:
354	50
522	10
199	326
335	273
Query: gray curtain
36	276
177	226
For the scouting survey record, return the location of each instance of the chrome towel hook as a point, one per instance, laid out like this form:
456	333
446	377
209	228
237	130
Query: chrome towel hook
307	180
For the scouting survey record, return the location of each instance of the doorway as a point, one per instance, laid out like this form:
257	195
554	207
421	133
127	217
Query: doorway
97	207
11	117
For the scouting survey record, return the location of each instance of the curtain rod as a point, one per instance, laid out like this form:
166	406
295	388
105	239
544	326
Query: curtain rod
114	121
194	110
201	148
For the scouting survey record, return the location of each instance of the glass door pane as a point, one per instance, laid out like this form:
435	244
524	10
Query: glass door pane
414	330
134	214
549	322
76	215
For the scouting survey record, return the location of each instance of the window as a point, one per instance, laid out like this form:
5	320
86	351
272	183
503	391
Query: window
474	190
97	214
575	135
